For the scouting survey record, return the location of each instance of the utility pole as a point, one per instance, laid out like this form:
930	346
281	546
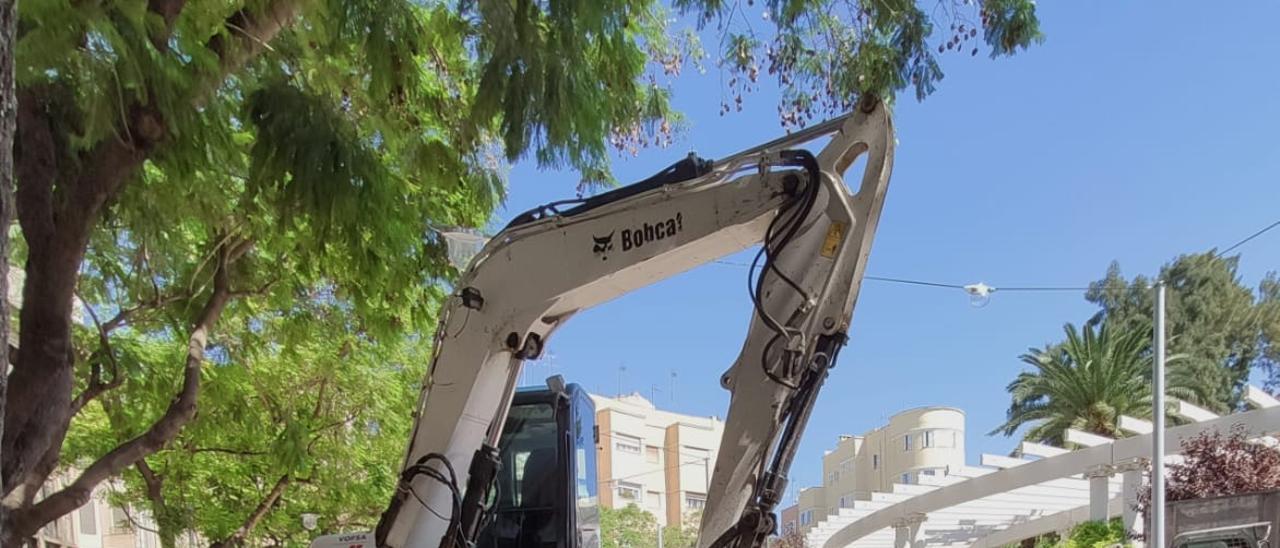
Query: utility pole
1157	416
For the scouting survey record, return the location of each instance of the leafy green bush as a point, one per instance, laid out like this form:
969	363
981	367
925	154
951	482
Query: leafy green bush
1098	534
1091	534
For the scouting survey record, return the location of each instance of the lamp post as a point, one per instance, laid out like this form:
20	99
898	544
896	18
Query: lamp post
1157	416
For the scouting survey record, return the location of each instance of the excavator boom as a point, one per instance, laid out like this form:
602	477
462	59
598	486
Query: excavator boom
814	236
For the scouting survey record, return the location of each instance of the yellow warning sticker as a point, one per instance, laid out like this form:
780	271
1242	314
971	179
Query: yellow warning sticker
835	237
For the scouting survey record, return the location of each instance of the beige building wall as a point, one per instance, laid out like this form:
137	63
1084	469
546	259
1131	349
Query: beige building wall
915	442
657	460
812	506
839	472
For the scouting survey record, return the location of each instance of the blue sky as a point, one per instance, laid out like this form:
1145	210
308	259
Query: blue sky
1132	134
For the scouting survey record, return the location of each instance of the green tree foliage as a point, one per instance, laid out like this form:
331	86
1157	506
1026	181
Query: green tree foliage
826	54
1090	534
635	528
1224	328
290	423
684	534
1087	381
193	173
627	527
1098	534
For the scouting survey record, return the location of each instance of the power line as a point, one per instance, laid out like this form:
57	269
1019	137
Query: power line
700	460
1019	288
1246	240
1015	288
944	285
982	290
912	282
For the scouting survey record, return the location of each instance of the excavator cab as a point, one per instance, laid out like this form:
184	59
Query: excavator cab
544	495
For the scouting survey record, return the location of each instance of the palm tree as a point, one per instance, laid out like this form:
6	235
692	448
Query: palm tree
1087	381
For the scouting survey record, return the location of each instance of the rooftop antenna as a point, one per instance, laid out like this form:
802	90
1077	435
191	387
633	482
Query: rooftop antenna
653	392
622	369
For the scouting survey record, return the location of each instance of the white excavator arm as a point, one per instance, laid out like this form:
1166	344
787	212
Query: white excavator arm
548	264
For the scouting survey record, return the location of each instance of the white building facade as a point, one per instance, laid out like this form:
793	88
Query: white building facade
657	460
97	524
925	441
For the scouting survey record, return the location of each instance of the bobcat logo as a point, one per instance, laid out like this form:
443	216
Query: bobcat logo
602	245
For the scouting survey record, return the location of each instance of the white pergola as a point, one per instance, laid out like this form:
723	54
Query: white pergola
1007	499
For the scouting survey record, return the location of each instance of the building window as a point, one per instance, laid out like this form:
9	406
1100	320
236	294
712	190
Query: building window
806	517
846	465
120	521
846	501
626	444
695	501
938	438
655	499
875	462
906	442
629	492
906	479
89	519
833	477
651	454
695	453
929	472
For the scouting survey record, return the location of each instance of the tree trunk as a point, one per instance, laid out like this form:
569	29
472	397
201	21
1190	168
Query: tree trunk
25	521
59	198
238	537
57	232
8	115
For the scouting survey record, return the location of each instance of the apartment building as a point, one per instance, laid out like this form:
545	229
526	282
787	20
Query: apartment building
98	524
915	442
657	460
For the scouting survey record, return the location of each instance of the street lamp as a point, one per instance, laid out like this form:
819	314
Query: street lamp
979	294
310	521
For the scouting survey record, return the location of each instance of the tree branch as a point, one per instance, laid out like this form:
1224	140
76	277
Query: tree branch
126	314
154	483
25	521
256	292
238	537
96	386
227	451
168	10
255	30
